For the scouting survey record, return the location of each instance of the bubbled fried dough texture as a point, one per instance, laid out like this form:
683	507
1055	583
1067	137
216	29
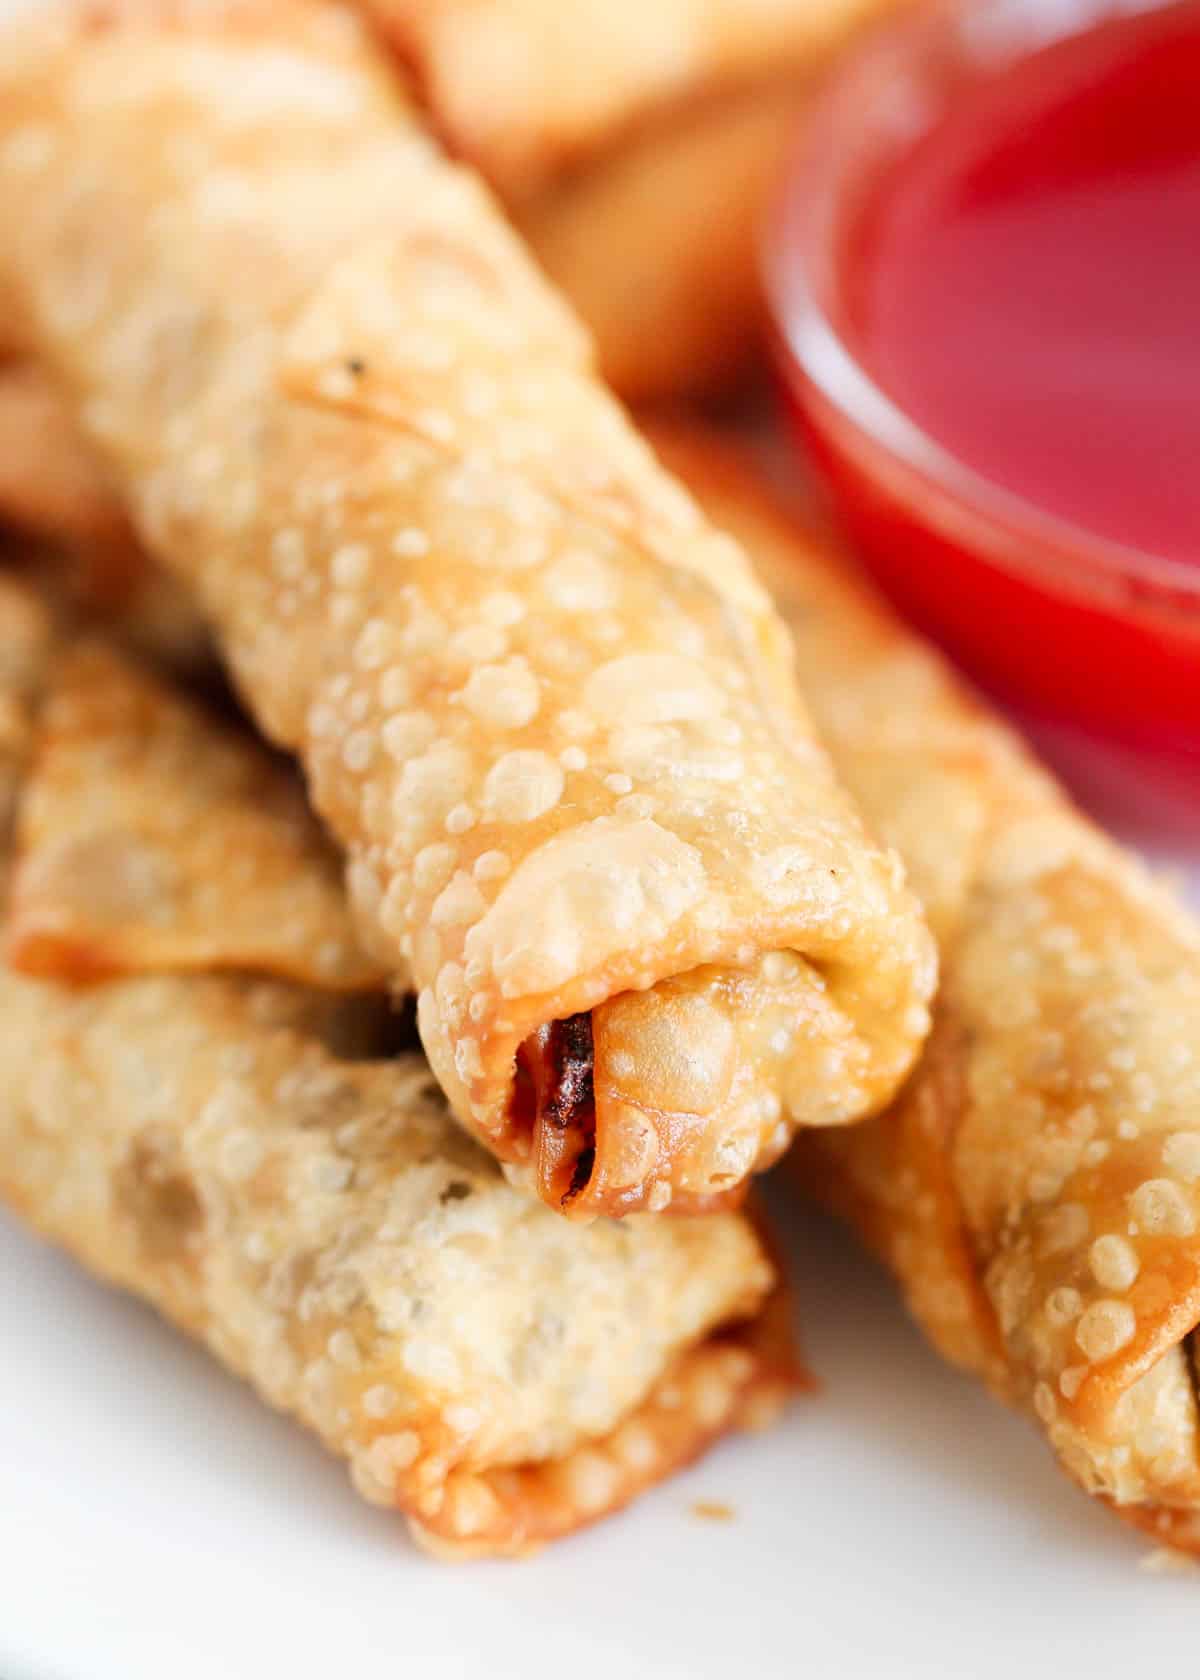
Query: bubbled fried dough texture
321	1225
543	706
495	1373
153	838
1037	1187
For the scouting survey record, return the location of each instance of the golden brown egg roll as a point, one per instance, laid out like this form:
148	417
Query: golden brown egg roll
1036	1189
637	147
214	1144
526	88
657	240
545	709
154	839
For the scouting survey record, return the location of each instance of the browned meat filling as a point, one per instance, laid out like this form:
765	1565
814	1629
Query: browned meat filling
569	1095
555	1098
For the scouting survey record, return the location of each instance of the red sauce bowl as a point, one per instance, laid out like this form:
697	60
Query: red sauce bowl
1069	625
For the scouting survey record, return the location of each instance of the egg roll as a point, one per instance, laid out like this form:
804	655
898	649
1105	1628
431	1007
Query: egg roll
657	240
27	632
543	707
152	838
636	147
1036	1188
53	489
230	1147
51	482
525	89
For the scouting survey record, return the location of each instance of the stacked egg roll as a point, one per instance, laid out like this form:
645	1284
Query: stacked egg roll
543	706
50	482
72	529
636	145
657	241
523	88
200	1125
1036	1189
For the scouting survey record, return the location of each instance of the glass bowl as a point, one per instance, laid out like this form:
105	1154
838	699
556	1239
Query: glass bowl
1071	627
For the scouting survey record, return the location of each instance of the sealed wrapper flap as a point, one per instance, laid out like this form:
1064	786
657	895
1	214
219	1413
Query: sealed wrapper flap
152	838
542	705
1037	1186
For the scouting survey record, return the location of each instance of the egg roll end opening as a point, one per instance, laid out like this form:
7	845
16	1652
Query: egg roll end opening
671	1097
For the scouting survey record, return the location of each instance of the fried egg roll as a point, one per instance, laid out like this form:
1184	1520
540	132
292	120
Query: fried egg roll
152	839
53	489
636	147
527	88
51	483
543	707
215	1143
1036	1189
657	240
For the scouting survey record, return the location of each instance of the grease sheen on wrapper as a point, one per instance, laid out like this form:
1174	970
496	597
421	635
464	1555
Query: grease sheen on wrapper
542	705
1037	1187
213	1142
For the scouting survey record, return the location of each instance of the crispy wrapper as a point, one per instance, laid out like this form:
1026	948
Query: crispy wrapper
1037	1187
637	147
153	840
543	706
321	1224
495	1373
526	88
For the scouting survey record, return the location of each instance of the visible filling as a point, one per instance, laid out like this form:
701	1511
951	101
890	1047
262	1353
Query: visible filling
556	1097
674	1095
569	1096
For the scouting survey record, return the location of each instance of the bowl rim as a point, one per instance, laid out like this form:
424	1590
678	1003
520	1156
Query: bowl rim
1033	542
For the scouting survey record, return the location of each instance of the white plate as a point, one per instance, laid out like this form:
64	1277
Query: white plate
156	1521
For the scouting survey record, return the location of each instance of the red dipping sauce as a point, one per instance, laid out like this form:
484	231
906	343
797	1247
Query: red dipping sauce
987	287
